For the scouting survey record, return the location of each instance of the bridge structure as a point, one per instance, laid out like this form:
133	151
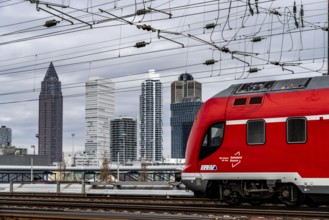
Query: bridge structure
116	173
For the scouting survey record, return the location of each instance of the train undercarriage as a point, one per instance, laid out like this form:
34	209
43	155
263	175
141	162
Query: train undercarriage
255	192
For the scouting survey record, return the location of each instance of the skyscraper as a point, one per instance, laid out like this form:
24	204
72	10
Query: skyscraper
185	87
51	116
185	103
150	118
99	110
123	140
5	136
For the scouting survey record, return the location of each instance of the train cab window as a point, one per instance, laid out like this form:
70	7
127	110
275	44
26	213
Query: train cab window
255	132
212	140
296	130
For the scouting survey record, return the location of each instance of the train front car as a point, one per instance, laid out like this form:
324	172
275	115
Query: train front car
258	141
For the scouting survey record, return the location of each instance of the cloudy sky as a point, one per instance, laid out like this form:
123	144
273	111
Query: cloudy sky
241	35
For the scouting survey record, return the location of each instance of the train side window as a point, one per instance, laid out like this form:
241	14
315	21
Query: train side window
296	130
255	132
256	100
212	140
240	101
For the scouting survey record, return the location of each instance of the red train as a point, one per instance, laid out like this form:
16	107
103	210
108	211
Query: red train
258	141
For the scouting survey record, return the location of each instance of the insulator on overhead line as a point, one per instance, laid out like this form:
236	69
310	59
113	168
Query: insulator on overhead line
210	26
141	44
256	39
295	8
225	50
51	23
301	11
295	11
146	27
275	12
34	1
277	63
253	70
250	8
210	62
325	28
256	4
142	11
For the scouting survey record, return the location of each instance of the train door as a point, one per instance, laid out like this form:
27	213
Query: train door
322	145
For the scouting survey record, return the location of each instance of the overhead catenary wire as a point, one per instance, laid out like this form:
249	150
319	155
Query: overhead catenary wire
68	32
90	44
281	50
312	59
75	57
11	4
101	27
138	88
123	80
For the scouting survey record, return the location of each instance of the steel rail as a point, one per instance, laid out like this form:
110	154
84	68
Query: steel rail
103	204
36	215
172	208
103	198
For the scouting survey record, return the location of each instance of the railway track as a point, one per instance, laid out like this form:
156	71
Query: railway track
36	207
105	199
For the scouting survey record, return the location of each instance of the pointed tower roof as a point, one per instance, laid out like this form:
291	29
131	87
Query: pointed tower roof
51	72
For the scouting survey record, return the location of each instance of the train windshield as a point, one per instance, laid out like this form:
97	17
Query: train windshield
212	140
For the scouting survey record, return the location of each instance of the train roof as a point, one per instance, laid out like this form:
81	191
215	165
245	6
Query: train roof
310	83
